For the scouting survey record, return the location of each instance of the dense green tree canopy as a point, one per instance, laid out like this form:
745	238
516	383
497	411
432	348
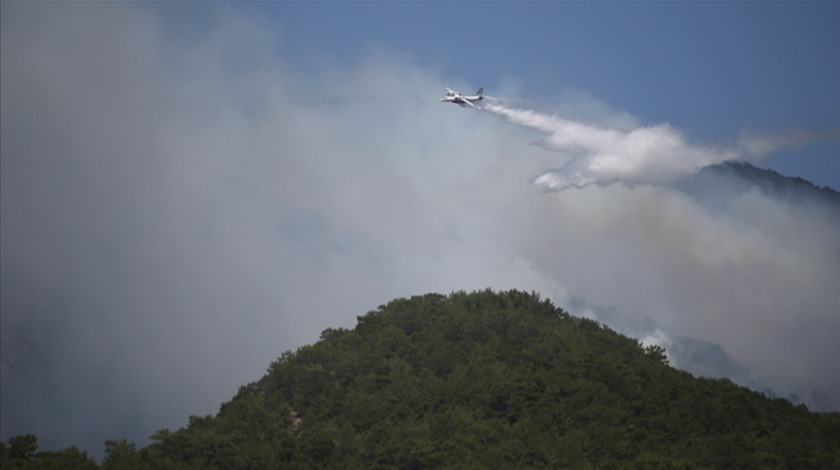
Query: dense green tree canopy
480	380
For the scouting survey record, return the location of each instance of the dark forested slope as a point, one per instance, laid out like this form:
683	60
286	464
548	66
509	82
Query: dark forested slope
488	380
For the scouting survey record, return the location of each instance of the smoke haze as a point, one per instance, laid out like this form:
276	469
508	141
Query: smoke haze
179	208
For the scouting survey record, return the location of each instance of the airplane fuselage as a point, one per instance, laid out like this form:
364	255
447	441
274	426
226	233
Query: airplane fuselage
461	99
457	98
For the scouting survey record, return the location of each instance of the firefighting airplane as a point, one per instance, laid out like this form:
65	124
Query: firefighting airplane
453	96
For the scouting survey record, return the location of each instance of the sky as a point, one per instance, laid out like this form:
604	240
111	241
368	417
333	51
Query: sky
190	189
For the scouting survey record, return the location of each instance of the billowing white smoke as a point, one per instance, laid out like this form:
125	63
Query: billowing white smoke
656	155
660	338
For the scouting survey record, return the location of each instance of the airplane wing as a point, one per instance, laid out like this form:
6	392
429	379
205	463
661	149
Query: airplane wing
467	102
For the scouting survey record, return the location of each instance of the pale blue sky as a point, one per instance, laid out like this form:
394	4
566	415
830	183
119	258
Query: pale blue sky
711	69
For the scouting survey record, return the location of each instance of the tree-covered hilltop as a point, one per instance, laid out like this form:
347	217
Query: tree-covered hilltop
482	380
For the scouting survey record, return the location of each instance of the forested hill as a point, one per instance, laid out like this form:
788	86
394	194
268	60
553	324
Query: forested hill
480	380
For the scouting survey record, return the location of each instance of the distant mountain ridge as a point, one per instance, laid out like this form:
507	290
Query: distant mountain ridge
768	181
716	187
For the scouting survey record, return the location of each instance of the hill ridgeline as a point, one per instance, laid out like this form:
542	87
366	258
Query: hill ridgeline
478	380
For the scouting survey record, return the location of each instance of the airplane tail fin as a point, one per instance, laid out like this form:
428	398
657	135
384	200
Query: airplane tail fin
480	91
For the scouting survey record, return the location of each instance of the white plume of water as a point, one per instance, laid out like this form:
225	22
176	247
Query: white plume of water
655	155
